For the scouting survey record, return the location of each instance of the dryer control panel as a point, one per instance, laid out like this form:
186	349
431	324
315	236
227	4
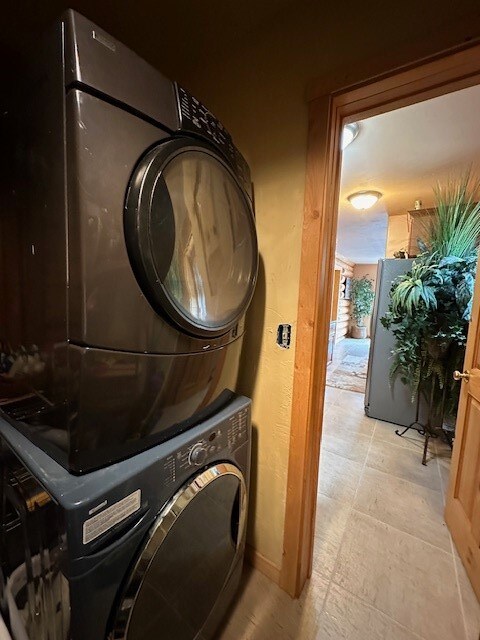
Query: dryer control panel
227	436
196	118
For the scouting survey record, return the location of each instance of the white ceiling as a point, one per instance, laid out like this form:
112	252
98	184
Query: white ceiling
402	154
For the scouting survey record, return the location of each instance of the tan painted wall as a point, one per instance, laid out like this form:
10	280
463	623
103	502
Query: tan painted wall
258	89
369	270
397	234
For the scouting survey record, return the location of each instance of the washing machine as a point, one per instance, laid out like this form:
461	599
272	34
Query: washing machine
131	250
147	548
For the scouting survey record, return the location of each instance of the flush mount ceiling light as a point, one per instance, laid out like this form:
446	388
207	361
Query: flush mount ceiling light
364	199
349	133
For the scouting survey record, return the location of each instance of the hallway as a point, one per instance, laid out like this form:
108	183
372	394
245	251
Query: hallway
384	564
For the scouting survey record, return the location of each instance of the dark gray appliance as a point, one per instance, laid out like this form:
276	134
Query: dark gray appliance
151	547
131	252
391	403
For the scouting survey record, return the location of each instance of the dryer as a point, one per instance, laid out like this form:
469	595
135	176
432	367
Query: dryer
150	547
132	254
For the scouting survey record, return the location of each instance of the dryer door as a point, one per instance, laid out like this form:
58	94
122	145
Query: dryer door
187	559
190	234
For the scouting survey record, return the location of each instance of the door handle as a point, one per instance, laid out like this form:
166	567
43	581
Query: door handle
457	375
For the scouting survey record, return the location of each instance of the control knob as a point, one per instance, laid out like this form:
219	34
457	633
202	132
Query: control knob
198	454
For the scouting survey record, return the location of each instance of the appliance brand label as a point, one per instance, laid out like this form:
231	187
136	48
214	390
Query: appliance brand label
105	520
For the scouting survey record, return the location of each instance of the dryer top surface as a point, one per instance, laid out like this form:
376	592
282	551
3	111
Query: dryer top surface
231	427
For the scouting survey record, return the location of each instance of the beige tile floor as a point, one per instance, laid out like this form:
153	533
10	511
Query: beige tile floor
384	564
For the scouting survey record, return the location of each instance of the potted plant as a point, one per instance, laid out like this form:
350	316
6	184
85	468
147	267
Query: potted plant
362	297
430	306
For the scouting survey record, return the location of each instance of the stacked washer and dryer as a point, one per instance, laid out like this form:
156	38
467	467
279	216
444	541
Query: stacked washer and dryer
132	257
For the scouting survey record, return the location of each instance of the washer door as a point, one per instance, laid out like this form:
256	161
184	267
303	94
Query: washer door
190	234
187	559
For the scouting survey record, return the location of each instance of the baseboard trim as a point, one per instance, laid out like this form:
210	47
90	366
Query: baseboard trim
265	566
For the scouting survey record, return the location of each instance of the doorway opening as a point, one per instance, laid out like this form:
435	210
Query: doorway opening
374	495
440	75
400	157
361	242
348	345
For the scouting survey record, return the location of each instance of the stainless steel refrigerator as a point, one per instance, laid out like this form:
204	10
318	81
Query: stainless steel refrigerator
383	401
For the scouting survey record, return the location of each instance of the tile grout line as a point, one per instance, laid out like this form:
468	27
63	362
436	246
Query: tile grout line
399	444
410	482
373	608
392	526
452	546
351	510
388	473
327	592
367	515
330	581
459	590
413	485
369	604
406	533
397	477
433	458
396	445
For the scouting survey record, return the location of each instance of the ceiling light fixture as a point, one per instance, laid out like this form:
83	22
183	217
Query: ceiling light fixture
349	133
364	199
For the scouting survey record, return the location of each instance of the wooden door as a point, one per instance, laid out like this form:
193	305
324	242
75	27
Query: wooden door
462	512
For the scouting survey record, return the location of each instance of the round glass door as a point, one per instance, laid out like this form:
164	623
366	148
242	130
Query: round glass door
191	237
187	559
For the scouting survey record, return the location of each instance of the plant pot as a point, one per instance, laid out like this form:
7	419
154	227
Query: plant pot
360	333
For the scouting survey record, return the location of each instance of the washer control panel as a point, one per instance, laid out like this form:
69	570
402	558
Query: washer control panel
198	454
237	430
227	436
196	118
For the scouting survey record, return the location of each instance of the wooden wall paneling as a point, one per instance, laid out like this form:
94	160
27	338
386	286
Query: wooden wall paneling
344	306
336	294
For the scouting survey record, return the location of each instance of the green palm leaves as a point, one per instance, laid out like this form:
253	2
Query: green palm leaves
414	289
431	305
455	229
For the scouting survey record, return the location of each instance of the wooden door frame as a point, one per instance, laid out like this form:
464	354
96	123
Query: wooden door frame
328	112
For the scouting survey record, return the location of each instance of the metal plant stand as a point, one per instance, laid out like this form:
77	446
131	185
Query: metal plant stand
428	430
